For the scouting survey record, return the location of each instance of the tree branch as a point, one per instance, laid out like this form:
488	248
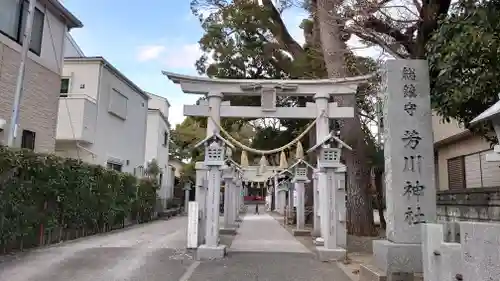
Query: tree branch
382	27
280	32
376	40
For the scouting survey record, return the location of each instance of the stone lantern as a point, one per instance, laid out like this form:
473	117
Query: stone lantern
299	180
331	185
215	147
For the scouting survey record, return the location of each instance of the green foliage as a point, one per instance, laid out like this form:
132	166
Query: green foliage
39	191
464	59
153	169
145	202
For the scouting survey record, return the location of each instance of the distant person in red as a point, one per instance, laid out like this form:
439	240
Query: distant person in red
256	209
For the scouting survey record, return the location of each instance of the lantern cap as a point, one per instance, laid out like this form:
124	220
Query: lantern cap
302	161
330	136
214	136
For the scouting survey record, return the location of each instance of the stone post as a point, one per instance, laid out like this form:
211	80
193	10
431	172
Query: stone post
316	222
187	189
227	201
229	220
299	186
213	202
330	251
409	170
340	197
235	196
240	191
322	130
290	199
200	196
282	198
276	196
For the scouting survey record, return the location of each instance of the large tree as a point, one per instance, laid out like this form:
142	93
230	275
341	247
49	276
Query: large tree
464	58
249	39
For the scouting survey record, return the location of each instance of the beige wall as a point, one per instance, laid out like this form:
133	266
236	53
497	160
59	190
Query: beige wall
469	145
39	104
442	130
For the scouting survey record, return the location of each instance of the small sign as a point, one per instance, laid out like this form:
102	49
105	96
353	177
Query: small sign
193	223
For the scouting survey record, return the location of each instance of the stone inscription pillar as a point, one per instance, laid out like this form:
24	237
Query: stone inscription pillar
409	168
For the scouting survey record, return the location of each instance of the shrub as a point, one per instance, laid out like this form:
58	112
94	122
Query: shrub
45	198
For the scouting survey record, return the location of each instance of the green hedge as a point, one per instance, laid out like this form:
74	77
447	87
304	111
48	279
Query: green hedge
46	199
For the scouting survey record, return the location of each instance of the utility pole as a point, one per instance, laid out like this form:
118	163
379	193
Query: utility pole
14	120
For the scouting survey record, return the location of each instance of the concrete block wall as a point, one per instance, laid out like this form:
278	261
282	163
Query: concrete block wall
40	101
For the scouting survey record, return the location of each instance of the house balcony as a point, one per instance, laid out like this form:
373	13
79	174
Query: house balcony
77	118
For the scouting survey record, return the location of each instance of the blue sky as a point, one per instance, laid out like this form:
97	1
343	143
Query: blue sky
142	38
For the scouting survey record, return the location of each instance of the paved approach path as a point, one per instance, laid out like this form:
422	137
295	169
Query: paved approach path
264	251
262	233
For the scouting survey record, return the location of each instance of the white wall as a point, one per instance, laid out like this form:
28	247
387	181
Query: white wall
152	140
160	103
54	31
155	148
118	139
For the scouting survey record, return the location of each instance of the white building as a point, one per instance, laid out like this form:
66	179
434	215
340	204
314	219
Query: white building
102	115
38	110
157	142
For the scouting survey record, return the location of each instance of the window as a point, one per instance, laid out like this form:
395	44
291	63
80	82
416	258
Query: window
13	17
165	139
456	173
36	30
28	139
64	87
118	104
10	14
114	166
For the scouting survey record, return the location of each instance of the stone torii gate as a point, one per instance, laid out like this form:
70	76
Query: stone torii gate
321	109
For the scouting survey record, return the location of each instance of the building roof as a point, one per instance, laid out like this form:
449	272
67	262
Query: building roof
58	9
488	114
113	69
158	96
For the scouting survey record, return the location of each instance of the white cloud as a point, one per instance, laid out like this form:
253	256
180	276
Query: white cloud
150	52
183	57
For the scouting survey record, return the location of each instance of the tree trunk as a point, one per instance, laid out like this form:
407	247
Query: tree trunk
359	205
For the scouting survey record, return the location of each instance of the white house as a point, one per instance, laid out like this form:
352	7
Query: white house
157	141
39	103
102	115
